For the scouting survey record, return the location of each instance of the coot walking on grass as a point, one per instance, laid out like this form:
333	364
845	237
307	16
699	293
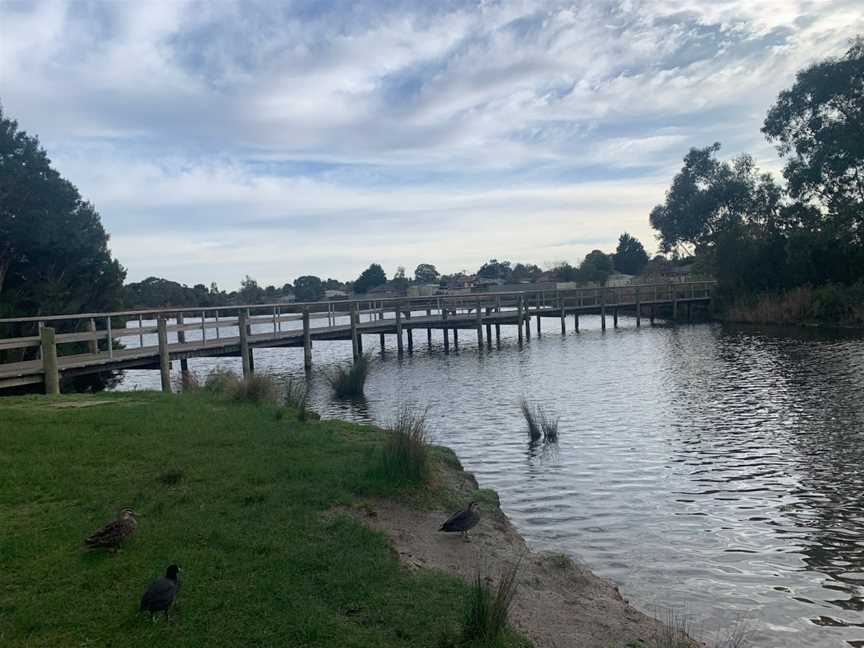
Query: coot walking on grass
161	594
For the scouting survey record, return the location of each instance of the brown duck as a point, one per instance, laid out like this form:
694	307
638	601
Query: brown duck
114	533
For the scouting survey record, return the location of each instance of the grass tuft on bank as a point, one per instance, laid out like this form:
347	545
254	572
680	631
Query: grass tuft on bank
239	497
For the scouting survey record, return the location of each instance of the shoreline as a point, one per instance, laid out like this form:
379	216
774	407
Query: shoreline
559	602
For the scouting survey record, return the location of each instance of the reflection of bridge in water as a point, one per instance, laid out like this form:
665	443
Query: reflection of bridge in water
153	338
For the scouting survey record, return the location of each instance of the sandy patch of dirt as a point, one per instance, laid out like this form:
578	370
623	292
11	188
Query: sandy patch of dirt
559	603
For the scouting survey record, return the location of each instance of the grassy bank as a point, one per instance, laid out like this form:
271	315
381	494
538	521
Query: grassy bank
238	495
827	305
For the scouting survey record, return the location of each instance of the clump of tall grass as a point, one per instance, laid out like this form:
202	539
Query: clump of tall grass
221	381
404	455
187	381
348	381
487	609
260	389
540	422
297	396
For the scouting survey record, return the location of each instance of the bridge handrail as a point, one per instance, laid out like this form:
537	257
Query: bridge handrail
536	298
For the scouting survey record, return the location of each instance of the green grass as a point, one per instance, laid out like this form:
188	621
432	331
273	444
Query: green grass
237	495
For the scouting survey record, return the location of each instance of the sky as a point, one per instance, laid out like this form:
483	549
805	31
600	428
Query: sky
276	139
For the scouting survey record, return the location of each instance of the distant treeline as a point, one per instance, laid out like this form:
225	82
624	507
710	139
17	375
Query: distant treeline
628	258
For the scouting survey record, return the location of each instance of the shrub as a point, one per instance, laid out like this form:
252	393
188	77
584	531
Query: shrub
260	389
221	381
404	455
348	381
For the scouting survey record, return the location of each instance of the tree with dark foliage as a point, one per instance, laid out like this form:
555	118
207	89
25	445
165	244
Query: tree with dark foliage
54	255
370	278
630	256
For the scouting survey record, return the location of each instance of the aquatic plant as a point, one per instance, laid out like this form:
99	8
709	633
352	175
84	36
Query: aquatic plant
540	423
348	381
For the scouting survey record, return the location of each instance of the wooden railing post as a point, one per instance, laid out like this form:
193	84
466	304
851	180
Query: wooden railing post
49	360
92	343
307	341
110	337
353	315
243	325
181	339
164	357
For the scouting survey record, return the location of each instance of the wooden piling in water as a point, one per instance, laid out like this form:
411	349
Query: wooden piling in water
455	338
355	348
429	330
307	341
519	318
381	336
50	369
479	326
576	321
164	357
602	310
444	329
638	309
563	315
245	351
410	333
399	342
615	318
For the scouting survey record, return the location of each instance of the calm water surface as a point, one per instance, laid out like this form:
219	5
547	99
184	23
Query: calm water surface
718	472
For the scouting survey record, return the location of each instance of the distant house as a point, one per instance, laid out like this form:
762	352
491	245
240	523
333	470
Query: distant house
335	294
423	290
619	279
286	299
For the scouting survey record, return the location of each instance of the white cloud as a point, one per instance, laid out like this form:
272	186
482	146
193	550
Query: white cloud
238	131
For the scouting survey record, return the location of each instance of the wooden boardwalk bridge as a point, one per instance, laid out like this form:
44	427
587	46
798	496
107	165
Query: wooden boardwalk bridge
47	347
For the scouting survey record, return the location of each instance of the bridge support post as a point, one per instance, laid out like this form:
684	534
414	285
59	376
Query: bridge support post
307	341
49	360
520	319
651	314
181	338
399	342
93	344
355	348
245	351
563	314
576	321
455	338
382	342
674	307
429	330
615	317
479	326
164	357
638	309
602	310
410	332
488	329
444	329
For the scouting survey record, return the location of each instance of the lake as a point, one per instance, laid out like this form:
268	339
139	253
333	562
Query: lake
715	471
